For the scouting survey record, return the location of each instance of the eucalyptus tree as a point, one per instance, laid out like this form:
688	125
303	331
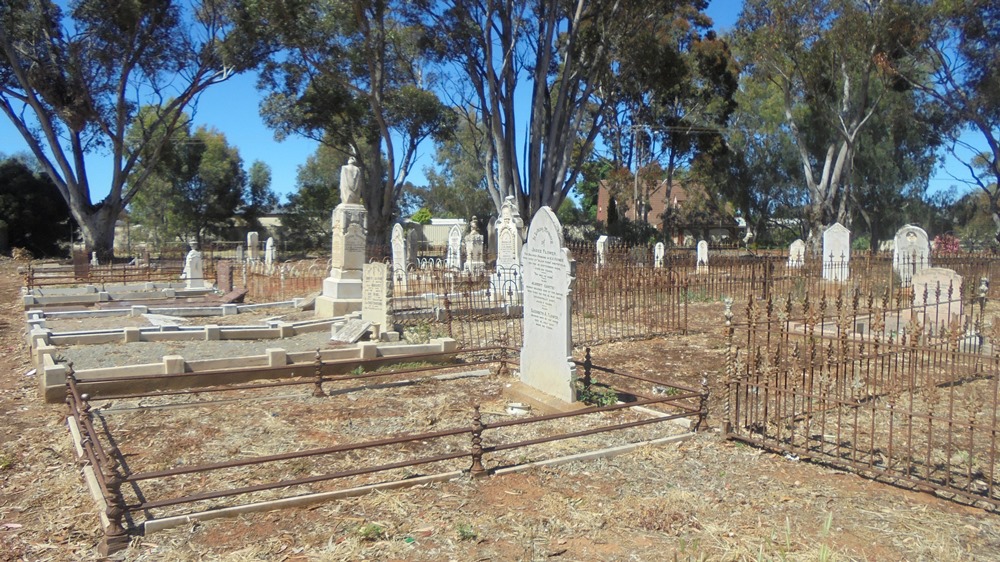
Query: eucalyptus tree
72	78
831	61
568	55
961	80
351	75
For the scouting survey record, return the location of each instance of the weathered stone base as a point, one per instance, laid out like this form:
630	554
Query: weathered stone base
327	307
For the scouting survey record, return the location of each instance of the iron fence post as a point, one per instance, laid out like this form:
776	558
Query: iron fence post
477	470
318	383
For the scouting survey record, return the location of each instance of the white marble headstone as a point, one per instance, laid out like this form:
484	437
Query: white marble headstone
398	243
546	357
253	245
375	291
602	250
836	253
454	258
269	252
658	251
911	253
797	253
194	275
702	262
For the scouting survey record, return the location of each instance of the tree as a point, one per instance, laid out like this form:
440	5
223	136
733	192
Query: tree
258	199
72	83
306	221
568	54
33	214
456	186
195	188
349	74
829	60
962	81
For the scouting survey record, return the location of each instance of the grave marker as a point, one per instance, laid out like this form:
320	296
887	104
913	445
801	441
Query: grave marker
702	257
454	257
797	253
375	292
911	253
253	245
836	253
546	356
658	251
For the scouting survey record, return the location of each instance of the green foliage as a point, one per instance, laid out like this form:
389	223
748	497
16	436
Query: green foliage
35	215
193	189
372	532
305	224
422	216
465	532
258	198
7	461
596	395
456	185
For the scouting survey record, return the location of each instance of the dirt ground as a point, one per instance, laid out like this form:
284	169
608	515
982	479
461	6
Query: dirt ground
705	499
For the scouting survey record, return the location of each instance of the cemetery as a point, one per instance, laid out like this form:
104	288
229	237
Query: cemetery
488	371
499	281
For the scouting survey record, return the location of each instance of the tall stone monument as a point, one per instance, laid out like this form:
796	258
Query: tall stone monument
400	262
506	282
797	253
342	289
546	357
911	253
474	249
836	253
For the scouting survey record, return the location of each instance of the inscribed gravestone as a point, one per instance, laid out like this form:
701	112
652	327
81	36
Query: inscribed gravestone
658	251
546	362
911	253
836	253
351	331
375	295
702	257
454	257
508	235
797	253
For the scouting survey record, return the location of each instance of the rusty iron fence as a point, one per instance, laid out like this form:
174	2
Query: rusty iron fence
900	390
281	281
129	508
482	308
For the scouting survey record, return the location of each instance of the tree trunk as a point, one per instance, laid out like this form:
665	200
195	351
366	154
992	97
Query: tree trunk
98	230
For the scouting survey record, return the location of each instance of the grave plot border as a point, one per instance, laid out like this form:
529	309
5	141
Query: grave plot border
106	472
909	404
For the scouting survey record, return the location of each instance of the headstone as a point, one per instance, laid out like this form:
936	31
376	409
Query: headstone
342	290
702	257
375	294
269	253
351	331
602	251
937	296
240	255
194	275
911	253
474	249
253	245
454	257
546	356
399	256
93	260
658	251
797	253
508	235
224	276
836	253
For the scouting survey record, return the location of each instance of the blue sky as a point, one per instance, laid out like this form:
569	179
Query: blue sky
232	107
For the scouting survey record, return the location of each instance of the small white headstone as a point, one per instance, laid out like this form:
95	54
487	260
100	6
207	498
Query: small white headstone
546	356
269	252
658	251
93	259
911	253
937	296
702	263
797	253
454	258
602	250
253	245
836	253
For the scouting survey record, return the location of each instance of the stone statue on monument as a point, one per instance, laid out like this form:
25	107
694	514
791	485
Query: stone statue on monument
350	186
